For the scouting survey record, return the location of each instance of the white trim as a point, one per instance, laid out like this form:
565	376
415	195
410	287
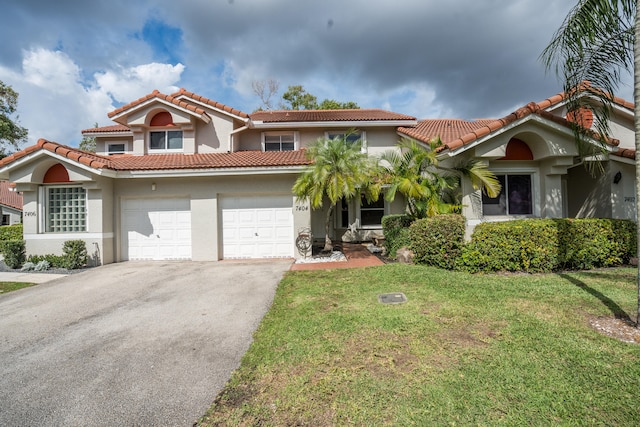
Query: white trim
166	131
535	193
67	236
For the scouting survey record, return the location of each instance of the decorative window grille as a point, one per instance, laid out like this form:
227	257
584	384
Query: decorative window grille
66	210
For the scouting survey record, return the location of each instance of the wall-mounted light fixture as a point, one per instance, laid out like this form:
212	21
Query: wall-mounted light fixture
153	186
617	177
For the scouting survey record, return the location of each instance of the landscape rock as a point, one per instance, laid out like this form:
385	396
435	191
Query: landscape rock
405	255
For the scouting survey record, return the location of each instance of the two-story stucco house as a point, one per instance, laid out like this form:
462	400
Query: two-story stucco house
181	176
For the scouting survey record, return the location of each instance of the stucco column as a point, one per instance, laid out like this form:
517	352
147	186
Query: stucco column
552	197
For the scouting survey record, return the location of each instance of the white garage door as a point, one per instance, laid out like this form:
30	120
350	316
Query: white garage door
156	229
257	226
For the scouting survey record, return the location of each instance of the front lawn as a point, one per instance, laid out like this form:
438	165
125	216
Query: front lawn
464	350
13	286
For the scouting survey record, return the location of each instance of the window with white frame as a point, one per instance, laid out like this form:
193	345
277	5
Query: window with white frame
66	209
279	141
350	136
116	148
515	198
371	213
166	140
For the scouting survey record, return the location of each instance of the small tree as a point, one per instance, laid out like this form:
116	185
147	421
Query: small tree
88	143
414	172
339	171
11	133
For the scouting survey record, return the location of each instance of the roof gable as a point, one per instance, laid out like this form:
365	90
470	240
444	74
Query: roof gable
119	115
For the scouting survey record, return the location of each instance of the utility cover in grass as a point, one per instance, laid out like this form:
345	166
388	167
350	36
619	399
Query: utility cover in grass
394	298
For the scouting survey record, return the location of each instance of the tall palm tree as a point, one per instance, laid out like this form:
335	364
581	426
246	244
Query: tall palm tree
414	172
339	171
596	44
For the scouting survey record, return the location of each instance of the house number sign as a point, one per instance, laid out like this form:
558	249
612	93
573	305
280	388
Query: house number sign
29	213
302	208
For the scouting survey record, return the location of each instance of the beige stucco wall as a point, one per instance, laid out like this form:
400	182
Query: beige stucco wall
204	194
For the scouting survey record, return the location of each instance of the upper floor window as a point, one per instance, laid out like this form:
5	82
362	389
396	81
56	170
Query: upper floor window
119	148
350	137
515	198
279	141
165	140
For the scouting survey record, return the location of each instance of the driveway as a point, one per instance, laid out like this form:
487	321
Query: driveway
129	344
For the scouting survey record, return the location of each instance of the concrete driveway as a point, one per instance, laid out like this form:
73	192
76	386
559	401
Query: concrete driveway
129	344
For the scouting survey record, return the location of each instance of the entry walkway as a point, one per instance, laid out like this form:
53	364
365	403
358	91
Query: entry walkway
357	256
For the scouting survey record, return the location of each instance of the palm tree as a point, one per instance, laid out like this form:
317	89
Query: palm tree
414	172
339	171
596	44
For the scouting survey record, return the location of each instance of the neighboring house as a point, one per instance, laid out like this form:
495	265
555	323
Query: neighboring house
10	204
532	152
183	177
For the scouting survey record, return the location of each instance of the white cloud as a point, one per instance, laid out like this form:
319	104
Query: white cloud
56	104
128	84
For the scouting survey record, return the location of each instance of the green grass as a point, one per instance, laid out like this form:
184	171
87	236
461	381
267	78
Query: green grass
464	350
13	286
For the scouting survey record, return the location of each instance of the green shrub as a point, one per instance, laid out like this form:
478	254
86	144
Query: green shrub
521	245
14	253
10	232
596	242
54	261
544	245
396	232
75	254
437	241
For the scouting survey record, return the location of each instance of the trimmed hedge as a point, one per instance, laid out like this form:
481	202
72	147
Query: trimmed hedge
592	243
396	232
545	245
437	241
14	253
520	245
10	232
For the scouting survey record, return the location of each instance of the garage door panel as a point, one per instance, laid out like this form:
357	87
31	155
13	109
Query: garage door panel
157	229
257	226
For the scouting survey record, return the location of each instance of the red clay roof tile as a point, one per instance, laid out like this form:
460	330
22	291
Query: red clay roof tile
156	94
214	104
241	159
8	197
287	116
107	129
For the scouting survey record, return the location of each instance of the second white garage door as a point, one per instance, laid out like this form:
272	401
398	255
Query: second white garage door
257	226
156	229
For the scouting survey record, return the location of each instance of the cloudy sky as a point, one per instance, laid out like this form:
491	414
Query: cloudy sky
72	61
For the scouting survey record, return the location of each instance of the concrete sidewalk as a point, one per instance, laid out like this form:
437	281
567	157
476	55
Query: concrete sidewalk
29	277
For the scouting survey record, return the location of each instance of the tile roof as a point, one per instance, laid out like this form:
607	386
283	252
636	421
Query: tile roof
108	129
457	133
10	198
628	153
125	162
156	94
286	116
214	104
